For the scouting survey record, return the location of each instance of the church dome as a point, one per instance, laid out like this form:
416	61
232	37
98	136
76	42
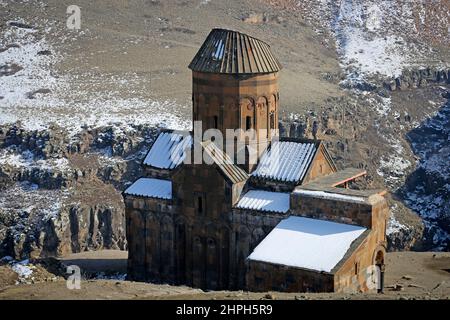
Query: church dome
231	52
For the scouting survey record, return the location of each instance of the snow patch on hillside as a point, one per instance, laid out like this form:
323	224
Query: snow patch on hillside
365	46
34	93
27	160
394	226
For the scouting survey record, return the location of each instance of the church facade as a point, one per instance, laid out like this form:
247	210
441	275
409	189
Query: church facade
281	219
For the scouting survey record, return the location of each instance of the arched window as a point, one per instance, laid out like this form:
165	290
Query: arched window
248	123
272	120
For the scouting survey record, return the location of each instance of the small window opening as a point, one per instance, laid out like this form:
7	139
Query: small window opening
248	123
272	120
200	205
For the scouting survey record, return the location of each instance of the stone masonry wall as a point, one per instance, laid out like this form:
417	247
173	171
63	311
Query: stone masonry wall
320	167
331	209
359	270
263	276
150	235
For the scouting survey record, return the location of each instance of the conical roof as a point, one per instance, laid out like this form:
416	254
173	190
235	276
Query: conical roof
232	52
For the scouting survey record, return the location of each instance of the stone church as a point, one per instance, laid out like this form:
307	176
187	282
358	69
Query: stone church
287	221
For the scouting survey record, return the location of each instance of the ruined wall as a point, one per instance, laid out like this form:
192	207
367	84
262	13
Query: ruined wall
248	228
263	276
271	185
358	271
150	236
354	275
357	213
151	172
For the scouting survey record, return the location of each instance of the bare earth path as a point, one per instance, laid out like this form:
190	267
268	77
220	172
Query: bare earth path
416	275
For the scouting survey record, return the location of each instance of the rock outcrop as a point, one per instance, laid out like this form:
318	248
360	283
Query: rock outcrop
420	77
61	193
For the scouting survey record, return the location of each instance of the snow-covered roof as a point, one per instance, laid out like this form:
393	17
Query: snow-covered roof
286	161
329	195
150	187
307	243
168	151
264	201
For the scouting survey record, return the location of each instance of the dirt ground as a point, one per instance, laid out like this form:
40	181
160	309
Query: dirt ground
409	275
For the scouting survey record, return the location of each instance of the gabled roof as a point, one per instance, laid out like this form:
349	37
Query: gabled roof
232	52
326	187
264	201
152	188
168	151
307	243
224	163
337	178
286	161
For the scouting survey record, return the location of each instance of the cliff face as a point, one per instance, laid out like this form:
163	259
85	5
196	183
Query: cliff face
60	197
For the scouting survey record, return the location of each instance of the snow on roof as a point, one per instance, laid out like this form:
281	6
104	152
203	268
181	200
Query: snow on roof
329	195
307	243
149	187
168	151
286	161
264	201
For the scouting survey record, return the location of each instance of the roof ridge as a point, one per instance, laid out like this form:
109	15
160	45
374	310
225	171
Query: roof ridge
226	165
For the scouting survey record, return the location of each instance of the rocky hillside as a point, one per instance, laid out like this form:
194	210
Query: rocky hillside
393	118
79	108
61	196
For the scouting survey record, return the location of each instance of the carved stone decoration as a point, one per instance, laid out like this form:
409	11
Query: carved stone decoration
246	103
272	103
262	103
